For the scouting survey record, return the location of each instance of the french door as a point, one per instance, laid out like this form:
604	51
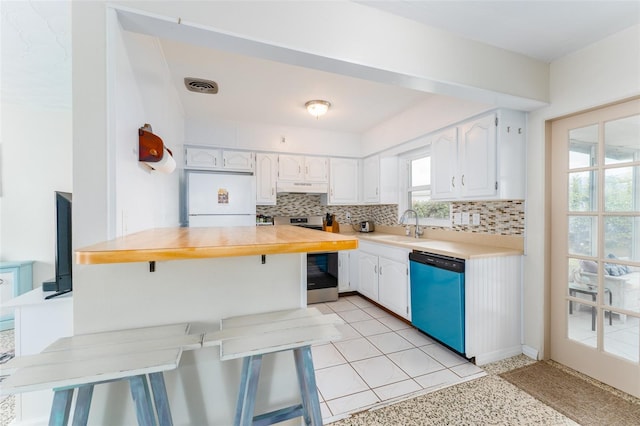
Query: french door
595	244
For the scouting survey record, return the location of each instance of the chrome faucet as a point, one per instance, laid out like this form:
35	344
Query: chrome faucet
418	230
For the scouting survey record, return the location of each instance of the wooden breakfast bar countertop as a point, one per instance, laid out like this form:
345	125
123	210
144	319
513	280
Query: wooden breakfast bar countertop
198	243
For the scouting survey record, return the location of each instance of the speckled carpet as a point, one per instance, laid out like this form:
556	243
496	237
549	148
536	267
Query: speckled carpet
573	396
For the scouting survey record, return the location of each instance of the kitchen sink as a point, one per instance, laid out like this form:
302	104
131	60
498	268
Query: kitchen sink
393	238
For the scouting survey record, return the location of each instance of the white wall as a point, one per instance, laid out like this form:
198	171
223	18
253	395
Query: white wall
35	129
143	93
604	72
35	155
262	137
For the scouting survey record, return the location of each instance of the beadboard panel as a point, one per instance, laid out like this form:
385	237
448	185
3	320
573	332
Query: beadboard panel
493	308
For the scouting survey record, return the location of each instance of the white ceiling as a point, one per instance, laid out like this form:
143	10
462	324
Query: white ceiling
268	92
36	61
545	30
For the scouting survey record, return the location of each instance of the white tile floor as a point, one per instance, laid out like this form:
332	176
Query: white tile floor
379	360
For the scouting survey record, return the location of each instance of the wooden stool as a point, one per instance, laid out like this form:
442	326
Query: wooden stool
140	356
250	337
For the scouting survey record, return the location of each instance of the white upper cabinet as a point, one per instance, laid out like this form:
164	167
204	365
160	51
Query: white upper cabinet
298	168
480	159
290	167
316	169
477	157
266	177
444	164
343	181
205	158
217	159
371	179
380	180
237	160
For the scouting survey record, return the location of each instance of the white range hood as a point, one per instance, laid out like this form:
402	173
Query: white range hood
302	187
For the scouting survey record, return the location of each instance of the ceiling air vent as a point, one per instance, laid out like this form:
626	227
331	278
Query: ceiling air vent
201	85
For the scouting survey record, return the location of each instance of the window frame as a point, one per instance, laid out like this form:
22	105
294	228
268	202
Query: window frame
406	190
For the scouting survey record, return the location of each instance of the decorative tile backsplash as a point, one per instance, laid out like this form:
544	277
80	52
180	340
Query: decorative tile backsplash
496	217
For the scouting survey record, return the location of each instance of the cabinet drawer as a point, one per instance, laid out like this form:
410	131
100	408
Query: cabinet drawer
390	252
6	287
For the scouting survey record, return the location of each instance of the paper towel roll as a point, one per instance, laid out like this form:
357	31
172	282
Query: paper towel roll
166	165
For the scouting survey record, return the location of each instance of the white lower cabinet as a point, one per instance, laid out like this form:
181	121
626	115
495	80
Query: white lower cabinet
344	270
383	276
393	288
368	272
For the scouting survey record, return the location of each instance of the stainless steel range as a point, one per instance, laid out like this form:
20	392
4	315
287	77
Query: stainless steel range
322	268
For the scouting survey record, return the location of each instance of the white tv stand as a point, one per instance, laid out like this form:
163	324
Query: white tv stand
38	323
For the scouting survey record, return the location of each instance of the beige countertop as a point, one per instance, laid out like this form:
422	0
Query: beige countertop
446	248
458	244
199	243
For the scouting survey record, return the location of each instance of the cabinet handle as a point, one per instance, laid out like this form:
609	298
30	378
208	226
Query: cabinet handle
272	190
453	182
380	270
462	180
1	281
215	162
375	269
225	163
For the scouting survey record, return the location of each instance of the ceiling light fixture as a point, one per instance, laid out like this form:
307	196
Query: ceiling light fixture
317	107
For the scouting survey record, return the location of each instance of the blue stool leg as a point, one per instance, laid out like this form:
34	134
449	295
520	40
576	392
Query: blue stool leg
142	399
307	379
160	398
61	407
247	394
83	403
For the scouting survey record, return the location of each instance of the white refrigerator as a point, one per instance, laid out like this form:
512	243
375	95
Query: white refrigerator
220	199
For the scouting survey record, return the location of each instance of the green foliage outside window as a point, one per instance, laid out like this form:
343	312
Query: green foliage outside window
431	209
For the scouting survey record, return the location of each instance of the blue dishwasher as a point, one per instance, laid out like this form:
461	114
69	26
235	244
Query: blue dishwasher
437	297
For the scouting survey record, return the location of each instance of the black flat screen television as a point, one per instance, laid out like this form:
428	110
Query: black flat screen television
64	253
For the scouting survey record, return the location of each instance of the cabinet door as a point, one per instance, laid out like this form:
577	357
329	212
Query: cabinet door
315	169
444	159
343	181
343	270
290	167
237	160
203	158
368	275
266	177
478	158
393	288
371	179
